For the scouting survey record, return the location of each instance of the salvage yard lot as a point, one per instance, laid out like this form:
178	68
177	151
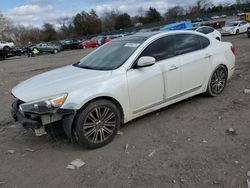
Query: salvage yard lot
184	145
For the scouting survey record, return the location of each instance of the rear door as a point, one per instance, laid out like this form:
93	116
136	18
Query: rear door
195	60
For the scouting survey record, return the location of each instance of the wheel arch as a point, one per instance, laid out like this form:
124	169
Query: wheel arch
111	99
225	67
69	124
6	47
215	67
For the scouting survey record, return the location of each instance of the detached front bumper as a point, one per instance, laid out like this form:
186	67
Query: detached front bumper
38	122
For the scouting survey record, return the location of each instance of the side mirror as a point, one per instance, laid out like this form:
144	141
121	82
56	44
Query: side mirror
146	61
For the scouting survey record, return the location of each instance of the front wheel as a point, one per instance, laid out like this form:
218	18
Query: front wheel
217	81
97	124
6	49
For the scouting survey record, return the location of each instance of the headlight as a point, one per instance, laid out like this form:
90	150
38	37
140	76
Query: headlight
44	105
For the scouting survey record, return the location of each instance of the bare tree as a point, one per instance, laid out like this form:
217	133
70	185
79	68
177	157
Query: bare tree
141	12
204	4
25	35
109	19
175	12
4	26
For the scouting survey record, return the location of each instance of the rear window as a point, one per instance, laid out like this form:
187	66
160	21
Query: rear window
204	42
185	43
206	30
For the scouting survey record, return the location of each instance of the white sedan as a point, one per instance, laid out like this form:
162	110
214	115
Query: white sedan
209	31
235	28
6	46
122	80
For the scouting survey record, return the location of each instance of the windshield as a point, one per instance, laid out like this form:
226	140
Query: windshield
231	24
110	56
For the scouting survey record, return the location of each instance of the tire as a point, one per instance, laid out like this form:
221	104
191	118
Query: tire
237	32
217	82
6	49
90	130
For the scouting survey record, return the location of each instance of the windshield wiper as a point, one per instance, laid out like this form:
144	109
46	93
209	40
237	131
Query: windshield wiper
82	66
86	67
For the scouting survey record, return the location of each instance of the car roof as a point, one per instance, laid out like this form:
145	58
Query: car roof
142	36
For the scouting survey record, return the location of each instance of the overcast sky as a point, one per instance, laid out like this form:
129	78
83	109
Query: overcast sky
36	12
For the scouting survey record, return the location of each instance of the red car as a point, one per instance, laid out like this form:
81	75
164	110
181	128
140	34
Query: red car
94	42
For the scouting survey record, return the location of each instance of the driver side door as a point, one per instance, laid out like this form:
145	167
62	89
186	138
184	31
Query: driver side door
147	85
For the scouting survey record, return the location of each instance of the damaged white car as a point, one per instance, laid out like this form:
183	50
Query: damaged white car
122	80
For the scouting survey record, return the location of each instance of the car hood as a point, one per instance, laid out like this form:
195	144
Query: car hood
58	81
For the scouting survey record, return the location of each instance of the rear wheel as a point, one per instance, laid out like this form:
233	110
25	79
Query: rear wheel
97	124
217	81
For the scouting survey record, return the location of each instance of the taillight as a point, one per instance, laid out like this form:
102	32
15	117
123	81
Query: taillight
233	49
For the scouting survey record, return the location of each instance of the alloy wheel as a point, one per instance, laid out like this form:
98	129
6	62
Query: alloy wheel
218	80
99	124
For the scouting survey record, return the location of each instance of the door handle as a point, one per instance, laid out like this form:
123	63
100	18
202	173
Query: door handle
173	67
208	56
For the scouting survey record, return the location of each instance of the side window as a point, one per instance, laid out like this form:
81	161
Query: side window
209	30
185	43
201	30
204	42
160	49
205	30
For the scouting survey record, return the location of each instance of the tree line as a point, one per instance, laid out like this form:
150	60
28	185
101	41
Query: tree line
89	23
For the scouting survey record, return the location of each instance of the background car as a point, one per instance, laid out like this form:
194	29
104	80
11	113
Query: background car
69	43
6	46
211	32
47	47
197	20
215	17
223	16
94	42
235	28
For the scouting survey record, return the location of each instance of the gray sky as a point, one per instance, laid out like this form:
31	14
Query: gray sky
36	12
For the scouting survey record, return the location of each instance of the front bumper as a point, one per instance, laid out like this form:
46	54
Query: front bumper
42	121
31	121
223	32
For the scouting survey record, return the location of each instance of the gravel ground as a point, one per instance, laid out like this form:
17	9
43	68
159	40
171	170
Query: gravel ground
182	146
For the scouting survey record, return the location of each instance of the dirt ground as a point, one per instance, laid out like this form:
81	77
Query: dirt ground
181	146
